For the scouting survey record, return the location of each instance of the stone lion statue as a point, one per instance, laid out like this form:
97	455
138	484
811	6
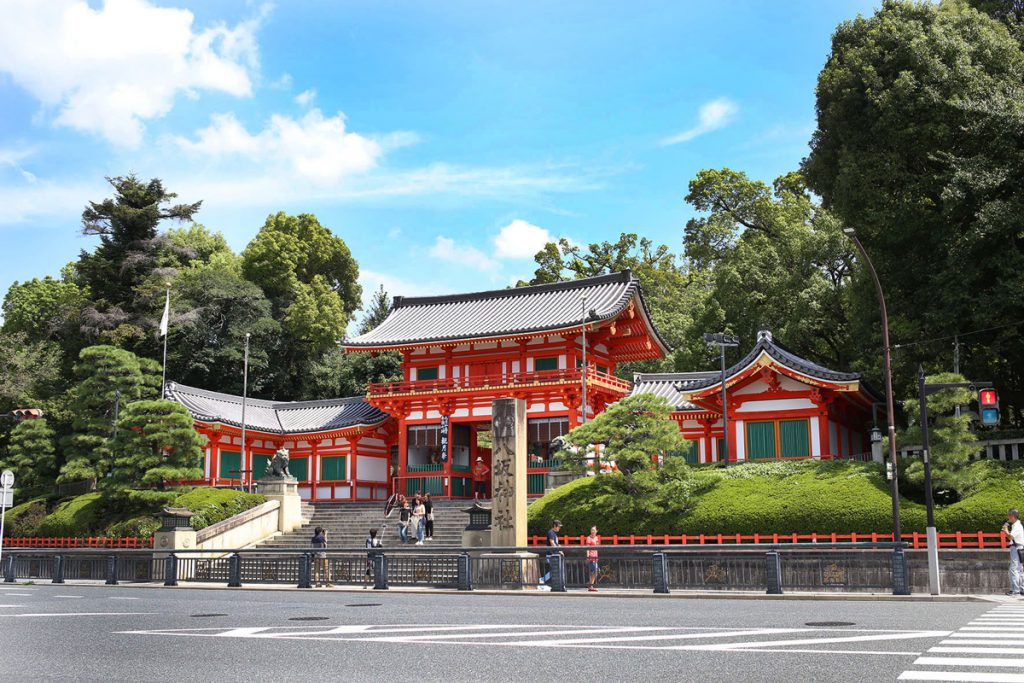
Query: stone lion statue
277	468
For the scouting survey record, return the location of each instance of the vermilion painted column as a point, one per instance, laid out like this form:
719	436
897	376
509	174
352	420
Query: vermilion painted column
353	458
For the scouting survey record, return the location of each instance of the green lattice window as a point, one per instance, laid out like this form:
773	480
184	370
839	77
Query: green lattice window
259	465
230	463
333	468
760	440
548	363
299	467
794	439
426	373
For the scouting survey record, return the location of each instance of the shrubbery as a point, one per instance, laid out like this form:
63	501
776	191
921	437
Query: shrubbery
782	497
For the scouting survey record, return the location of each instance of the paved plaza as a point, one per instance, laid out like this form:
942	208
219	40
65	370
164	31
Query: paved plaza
125	633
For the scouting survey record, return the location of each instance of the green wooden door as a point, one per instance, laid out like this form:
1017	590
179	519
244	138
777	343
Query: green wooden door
760	440
794	439
333	468
230	460
259	465
299	467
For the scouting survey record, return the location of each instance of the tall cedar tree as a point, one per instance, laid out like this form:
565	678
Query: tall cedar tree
156	443
32	457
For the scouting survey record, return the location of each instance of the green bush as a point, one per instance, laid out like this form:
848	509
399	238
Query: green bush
73	517
213	505
142	526
782	497
23	519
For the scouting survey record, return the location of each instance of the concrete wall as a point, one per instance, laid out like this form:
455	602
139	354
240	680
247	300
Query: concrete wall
243	530
979	572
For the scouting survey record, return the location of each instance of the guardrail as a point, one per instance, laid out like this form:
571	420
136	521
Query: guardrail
78	542
957	540
868	566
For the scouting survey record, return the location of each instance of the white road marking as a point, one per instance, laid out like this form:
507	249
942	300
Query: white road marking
961	676
971	641
814	641
660	636
981	650
969	661
122	598
72	597
11	605
76	614
958	634
20	595
498	634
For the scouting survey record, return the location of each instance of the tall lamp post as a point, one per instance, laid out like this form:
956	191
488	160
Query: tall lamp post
722	340
892	472
245	391
583	370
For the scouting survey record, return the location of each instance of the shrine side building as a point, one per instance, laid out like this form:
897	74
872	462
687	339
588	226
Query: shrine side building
460	352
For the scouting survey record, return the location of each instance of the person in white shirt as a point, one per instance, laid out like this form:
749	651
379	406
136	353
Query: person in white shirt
1014	531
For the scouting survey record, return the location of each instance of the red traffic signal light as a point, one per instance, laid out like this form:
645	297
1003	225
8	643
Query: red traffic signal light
27	413
988	407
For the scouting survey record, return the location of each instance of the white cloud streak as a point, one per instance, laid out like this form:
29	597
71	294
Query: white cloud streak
712	115
465	255
520	239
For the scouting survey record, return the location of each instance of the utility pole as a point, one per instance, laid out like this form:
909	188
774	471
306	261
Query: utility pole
245	391
956	365
722	340
583	373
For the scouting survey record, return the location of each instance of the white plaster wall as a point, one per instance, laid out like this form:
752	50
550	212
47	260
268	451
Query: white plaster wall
482	411
372	469
557	405
775	405
741	449
832	449
461	412
815	437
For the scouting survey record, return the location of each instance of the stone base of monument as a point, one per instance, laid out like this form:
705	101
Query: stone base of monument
476	538
286	491
507	571
560	478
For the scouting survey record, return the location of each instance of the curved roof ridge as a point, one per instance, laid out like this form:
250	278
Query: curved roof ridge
405	302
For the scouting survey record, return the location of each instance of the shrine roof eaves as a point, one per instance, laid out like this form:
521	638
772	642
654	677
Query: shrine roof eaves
664	384
505	312
276	417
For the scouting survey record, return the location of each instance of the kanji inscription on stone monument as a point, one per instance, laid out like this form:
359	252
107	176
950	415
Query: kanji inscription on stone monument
508	472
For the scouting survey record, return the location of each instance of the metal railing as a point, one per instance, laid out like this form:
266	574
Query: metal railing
467	383
809	567
954	540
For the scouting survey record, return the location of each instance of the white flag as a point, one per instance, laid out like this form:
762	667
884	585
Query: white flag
167	313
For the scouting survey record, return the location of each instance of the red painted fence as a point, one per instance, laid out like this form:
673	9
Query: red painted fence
955	540
130	542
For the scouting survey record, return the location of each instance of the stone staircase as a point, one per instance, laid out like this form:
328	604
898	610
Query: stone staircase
347	525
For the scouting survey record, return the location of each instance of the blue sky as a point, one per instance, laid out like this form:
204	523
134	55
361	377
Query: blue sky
444	141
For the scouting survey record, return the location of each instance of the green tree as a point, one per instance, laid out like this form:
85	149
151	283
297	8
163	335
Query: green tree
920	147
156	443
32	456
951	439
30	371
43	309
377	311
108	377
632	431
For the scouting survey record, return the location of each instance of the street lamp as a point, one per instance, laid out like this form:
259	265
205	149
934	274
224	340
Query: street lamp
245	391
722	340
892	471
583	303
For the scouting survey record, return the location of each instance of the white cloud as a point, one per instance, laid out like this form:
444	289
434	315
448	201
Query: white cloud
711	116
306	97
466	255
312	148
397	286
108	70
520	239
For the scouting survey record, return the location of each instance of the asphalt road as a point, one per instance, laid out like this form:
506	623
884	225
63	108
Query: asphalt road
130	634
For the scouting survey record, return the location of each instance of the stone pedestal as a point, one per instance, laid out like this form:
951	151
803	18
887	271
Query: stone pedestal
285	490
508	472
175	532
559	478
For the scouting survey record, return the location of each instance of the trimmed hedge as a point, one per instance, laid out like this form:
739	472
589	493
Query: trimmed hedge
785	497
214	505
78	516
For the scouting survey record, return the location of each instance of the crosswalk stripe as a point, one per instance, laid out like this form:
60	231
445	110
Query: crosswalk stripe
981	650
809	641
517	634
660	636
961	676
972	641
970	661
958	634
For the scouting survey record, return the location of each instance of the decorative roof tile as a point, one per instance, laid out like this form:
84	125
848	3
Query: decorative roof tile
505	312
276	417
668	385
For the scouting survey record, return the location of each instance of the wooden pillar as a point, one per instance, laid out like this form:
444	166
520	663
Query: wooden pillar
403	455
214	459
353	462
313	469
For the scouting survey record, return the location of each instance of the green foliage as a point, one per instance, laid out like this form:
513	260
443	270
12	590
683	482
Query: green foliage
107	376
43	309
31	456
377	311
30	371
24	519
155	443
74	517
631	430
212	505
920	147
783	497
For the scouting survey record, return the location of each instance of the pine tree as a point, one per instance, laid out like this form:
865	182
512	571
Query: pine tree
155	443
31	456
377	311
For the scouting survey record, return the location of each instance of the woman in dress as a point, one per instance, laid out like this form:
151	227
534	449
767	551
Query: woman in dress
417	521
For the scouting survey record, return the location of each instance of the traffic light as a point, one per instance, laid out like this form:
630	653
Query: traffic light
27	413
988	407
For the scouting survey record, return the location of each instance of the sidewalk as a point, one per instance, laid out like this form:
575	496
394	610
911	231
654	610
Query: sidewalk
572	593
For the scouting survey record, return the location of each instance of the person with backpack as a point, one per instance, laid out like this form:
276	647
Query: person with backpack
321	565
372	542
1014	531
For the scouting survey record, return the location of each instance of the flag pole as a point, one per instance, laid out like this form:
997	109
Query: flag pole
163	331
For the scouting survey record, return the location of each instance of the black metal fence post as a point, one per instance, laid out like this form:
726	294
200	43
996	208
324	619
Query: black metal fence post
112	570
557	581
9	569
380	572
465	572
171	570
58	569
659	572
305	571
900	582
235	571
773	572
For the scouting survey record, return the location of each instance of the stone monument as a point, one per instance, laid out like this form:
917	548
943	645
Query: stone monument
508	472
278	484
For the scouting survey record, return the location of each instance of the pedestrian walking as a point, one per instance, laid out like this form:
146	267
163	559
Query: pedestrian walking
372	542
418	520
321	566
552	541
403	521
592	541
1014	531
480	471
428	505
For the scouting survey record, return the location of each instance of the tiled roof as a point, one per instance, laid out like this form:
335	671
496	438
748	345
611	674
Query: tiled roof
780	354
505	312
665	384
276	417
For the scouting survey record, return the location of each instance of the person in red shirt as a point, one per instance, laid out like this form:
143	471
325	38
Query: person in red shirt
592	540
480	471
